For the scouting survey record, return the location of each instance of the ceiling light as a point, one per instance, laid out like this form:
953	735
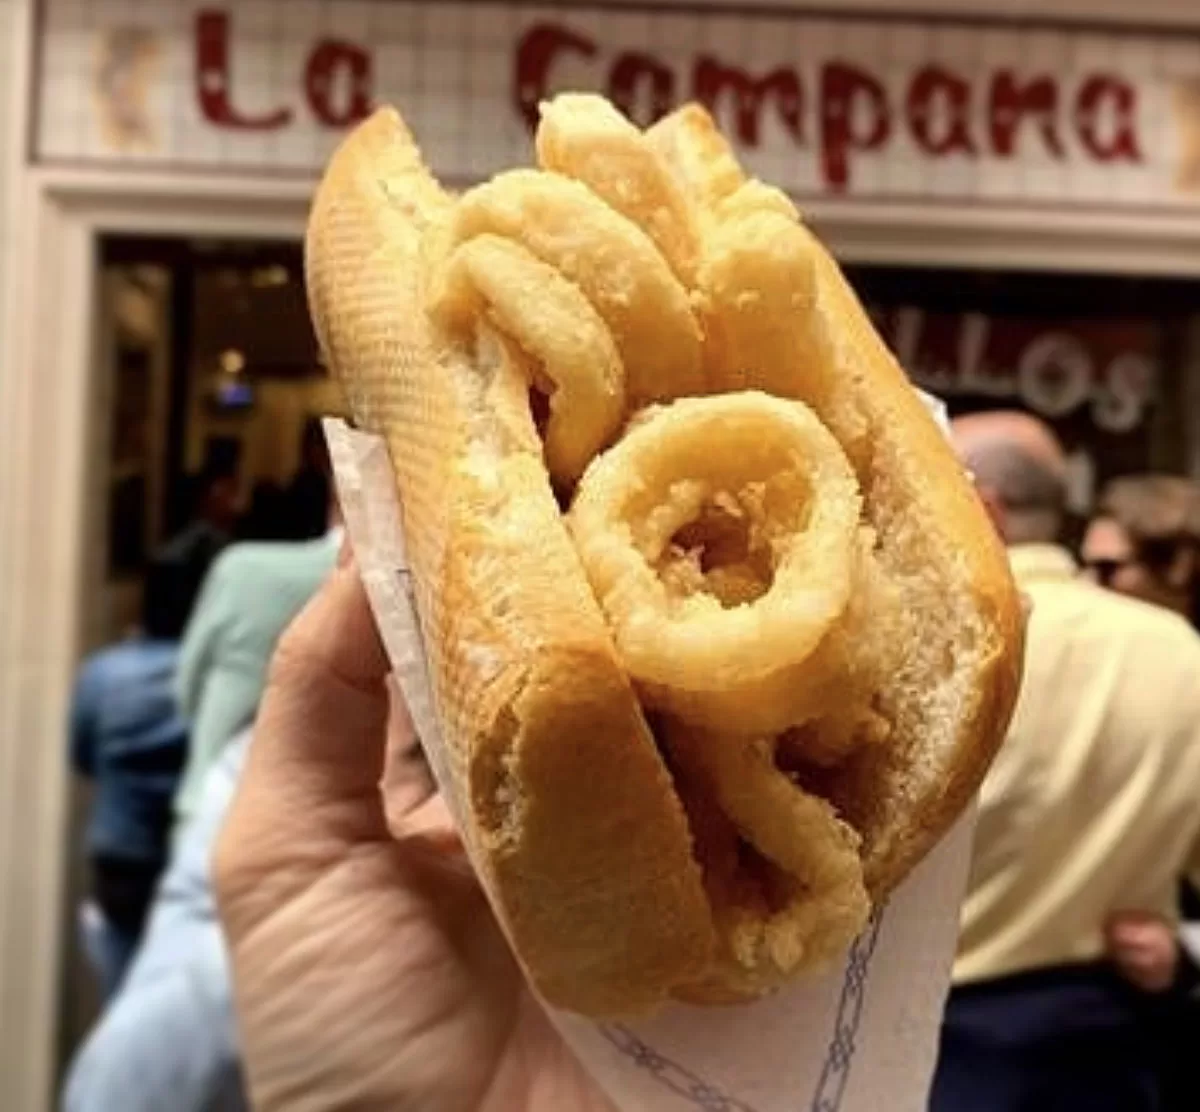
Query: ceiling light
267	277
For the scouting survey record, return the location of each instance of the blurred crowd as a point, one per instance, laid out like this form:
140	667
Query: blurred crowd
1074	981
1075	984
152	718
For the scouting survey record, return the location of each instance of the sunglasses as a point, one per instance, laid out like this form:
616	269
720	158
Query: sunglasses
1105	571
1156	555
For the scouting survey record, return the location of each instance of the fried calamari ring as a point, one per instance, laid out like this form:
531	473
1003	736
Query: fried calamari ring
639	523
757	289
704	163
758	260
584	137
569	347
613	262
798	897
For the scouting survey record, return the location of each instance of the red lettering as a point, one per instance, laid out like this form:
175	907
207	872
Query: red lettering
1095	94
710	80
212	79
1010	103
329	57
535	53
630	72
847	92
933	86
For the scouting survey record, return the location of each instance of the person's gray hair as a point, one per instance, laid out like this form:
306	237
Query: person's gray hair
1033	492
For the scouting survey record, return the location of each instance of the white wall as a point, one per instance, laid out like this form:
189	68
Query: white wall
28	1000
12	112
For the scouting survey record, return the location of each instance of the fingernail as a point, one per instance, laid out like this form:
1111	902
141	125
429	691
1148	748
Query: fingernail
346	553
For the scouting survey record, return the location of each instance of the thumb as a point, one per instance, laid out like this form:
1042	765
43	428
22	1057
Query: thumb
322	726
310	788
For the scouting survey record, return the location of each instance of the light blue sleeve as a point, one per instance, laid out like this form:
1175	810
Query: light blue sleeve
168	1041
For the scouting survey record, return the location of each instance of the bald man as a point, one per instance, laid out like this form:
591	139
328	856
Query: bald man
1090	813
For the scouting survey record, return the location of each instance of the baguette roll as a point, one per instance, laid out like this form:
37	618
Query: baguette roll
714	669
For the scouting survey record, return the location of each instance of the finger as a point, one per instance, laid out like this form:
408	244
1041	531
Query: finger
1124	936
318	750
415	808
433	823
1136	959
1123	925
1138	950
1150	938
407	781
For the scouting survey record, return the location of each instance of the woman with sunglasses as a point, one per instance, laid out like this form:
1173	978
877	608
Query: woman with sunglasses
1145	541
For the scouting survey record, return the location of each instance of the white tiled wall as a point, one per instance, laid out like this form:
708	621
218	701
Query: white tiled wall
450	68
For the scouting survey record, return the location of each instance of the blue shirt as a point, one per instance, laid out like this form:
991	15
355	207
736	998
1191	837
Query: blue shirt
127	735
168	1040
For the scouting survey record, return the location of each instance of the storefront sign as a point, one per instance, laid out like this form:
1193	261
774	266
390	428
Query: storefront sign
328	62
863	107
845	109
1105	371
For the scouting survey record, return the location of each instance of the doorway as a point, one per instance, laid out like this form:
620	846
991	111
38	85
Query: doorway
206	381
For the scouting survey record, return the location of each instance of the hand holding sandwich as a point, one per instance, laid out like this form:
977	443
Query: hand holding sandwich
369	971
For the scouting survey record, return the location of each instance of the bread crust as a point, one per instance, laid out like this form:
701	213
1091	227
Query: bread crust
952	506
573	818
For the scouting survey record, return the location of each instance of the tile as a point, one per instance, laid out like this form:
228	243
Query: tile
997	179
1046	183
1137	55
1093	52
718	36
59	131
633	31
908	42
305	18
247	149
350	19
904	176
953	177
444	22
249	17
682	33
1046	50
768	42
1179	57
1000	48
491	73
395	71
869	175
491	24
293	147
394	22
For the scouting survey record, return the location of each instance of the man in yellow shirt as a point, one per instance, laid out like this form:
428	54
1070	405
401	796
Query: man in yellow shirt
1091	809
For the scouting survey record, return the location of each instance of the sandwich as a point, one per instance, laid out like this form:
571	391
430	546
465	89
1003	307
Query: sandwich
720	637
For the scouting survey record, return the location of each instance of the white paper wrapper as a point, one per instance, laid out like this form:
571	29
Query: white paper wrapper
862	1038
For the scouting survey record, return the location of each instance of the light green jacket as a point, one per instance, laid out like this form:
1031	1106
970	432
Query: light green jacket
250	596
